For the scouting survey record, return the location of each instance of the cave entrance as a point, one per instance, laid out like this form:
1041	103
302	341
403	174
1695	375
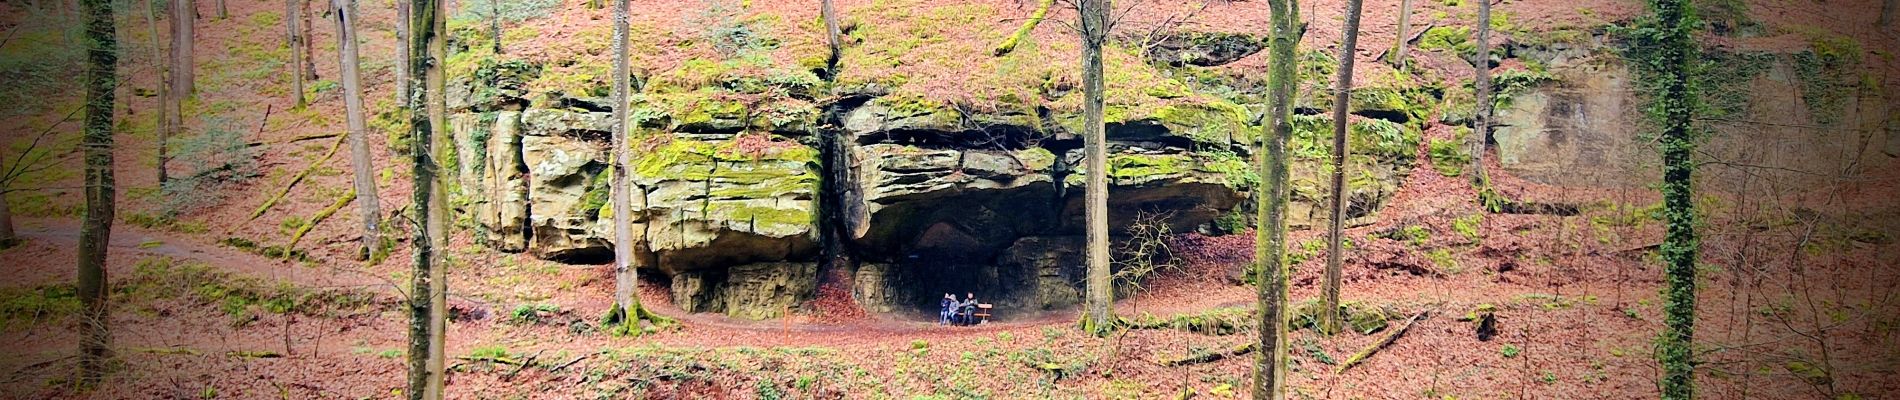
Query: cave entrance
1020	276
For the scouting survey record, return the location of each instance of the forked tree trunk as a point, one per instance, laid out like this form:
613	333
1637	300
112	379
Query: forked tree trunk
1269	369
1342	96
368	207
1100	290
95	232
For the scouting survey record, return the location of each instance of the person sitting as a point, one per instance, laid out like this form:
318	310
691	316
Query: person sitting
946	309
967	309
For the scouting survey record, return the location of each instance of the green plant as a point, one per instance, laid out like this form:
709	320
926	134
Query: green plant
1448	156
1444	260
1467	226
1509	350
217	159
527	314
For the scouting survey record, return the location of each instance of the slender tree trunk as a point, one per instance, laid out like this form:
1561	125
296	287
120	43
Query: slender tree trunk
1481	124
439	199
1405	31
1269	370
1100	290
1342	96
184	78
168	112
832	38
8	238
95	232
1887	9
223	12
368	206
295	39
425	308
494	22
402	53
306	39
627	304
1675	53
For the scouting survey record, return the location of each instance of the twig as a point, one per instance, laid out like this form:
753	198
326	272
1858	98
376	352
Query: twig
1200	358
295	139
1387	341
569	363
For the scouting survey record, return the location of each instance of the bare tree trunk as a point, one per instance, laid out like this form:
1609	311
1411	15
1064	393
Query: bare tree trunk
1342	96
95	232
426	297
1100	290
1405	28
626	304
184	79
439	199
8	238
368	206
295	40
832	38
223	12
402	52
1481	124
1887	9
306	39
168	114
1269	370
494	22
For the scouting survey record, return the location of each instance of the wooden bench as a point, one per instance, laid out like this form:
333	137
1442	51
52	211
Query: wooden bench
983	312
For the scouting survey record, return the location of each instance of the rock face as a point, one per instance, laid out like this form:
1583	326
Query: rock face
1586	127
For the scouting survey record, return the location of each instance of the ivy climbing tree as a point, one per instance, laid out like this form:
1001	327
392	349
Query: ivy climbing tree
1663	49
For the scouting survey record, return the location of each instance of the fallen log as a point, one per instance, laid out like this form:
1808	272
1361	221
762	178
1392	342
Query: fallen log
1208	357
1383	342
295	180
316	219
294	140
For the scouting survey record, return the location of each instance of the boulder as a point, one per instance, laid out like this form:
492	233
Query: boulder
503	214
1204	49
566	189
768	290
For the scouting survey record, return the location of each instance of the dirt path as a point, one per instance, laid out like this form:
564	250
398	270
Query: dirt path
48	256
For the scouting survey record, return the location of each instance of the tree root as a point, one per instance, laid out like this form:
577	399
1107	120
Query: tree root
1383	342
297	179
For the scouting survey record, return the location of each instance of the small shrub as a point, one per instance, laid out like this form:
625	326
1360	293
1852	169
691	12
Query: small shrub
1509	351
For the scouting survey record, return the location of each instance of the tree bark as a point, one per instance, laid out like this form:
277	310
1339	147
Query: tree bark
1405	27
1675	50
1342	96
1269	370
494	23
295	39
1481	124
832	38
223	12
184	79
305	38
1100	290
439	199
95	232
8	238
624	275
426	297
168	115
402	53
369	208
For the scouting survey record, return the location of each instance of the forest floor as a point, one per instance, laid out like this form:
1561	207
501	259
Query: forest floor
1796	303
